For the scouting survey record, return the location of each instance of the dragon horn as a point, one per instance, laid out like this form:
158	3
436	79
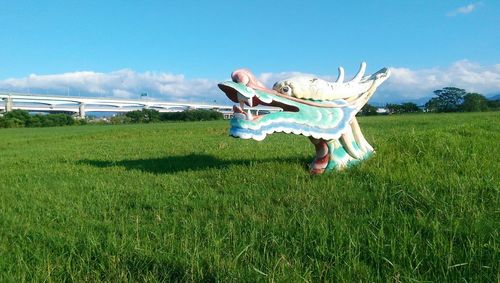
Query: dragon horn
360	73
340	78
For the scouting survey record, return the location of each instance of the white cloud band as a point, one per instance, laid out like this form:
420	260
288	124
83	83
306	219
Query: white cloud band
407	84
404	85
122	83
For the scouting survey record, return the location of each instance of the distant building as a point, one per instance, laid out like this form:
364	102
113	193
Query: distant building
382	110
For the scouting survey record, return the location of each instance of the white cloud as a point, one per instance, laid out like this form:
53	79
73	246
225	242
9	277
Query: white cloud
122	83
405	84
122	93
462	10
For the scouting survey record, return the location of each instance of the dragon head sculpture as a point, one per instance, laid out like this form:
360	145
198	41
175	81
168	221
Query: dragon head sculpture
321	110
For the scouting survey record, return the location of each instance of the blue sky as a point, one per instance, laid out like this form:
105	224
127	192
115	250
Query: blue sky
121	48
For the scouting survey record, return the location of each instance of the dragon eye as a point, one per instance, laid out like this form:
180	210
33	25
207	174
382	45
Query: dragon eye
285	89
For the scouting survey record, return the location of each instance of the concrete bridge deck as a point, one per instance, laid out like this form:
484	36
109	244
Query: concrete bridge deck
79	106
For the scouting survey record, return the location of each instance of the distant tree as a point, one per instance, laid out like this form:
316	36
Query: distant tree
192	115
407	107
35	121
368	110
410	107
22	115
448	99
143	116
14	119
22	118
432	105
81	122
493	104
135	116
119	119
151	115
50	120
393	108
474	102
11	123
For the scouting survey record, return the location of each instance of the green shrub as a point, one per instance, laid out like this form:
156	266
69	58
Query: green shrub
119	119
11	123
192	115
143	116
368	110
22	118
21	115
81	122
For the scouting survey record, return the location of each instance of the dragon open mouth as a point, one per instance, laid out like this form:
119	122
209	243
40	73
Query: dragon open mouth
298	115
244	95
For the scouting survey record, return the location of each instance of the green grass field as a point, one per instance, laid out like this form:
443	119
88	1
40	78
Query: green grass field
185	202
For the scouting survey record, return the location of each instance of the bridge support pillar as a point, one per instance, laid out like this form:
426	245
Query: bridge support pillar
9	103
81	111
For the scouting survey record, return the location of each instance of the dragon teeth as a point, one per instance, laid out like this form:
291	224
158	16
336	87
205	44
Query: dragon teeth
242	99
239	113
249	115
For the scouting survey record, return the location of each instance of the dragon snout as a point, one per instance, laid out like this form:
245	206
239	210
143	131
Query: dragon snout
246	77
241	76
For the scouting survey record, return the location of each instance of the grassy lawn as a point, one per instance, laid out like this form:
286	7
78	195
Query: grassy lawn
185	202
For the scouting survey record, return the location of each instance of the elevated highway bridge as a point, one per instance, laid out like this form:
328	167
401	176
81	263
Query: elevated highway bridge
79	106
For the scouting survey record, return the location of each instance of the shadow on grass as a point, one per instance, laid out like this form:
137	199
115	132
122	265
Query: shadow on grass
191	162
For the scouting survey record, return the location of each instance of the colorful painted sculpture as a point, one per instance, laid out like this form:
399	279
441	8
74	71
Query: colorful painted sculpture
323	111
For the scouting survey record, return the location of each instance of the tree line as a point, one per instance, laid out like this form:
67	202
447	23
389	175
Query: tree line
22	118
448	99
452	99
151	116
